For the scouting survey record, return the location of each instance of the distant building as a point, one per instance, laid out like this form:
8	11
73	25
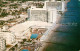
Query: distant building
5	28
54	4
2	44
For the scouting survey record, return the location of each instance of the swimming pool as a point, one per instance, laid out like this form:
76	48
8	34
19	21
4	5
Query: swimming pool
25	50
34	36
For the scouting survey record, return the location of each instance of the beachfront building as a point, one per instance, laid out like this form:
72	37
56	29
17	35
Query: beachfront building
49	13
55	9
37	14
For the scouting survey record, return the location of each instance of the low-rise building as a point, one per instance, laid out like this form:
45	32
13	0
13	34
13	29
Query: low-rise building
10	41
10	38
2	44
